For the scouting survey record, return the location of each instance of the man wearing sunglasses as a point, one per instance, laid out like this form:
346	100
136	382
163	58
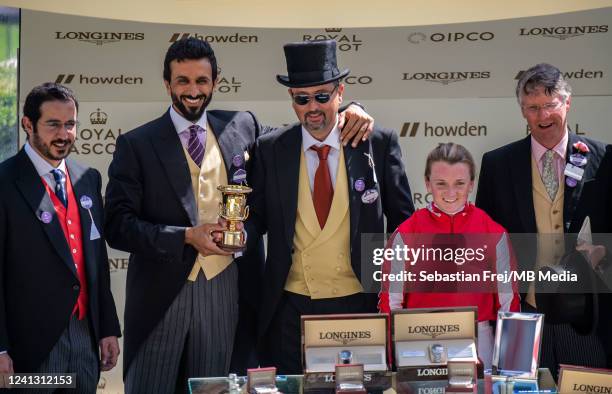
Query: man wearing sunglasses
315	198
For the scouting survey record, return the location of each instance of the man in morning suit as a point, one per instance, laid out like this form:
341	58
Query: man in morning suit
182	295
315	199
57	313
522	186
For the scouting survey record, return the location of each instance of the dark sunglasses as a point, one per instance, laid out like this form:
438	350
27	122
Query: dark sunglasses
323	97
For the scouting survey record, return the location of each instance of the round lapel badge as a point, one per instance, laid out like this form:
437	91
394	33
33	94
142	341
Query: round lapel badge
86	202
46	217
239	176
578	160
237	161
359	185
571	182
369	196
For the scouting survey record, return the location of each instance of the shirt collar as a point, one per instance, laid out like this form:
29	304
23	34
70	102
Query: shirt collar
42	166
433	208
181	124
332	139
560	149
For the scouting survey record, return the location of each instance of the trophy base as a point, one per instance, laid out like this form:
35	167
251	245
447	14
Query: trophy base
232	241
232	248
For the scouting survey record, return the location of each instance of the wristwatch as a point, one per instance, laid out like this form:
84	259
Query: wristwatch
436	351
345	357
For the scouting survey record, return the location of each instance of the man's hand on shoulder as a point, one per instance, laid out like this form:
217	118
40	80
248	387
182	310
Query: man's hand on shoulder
356	124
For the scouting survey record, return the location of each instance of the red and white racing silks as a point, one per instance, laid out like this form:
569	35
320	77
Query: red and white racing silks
456	260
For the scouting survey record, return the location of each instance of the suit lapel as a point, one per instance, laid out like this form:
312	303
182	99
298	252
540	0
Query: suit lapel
357	167
520	170
167	144
226	135
82	187
572	194
287	155
33	191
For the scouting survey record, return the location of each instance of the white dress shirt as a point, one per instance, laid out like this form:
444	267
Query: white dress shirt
312	159
42	166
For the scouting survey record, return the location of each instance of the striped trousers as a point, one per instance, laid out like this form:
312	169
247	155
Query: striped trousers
74	352
194	339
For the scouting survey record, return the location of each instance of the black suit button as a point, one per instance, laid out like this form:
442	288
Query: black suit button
76	287
292	250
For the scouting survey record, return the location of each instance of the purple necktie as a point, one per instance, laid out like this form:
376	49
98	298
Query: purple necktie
194	146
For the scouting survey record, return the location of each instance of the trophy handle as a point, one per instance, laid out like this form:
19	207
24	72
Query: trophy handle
246	213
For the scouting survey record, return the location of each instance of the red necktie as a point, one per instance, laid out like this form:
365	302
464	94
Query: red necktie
323	190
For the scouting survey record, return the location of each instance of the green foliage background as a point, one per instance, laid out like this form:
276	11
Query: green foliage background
9	43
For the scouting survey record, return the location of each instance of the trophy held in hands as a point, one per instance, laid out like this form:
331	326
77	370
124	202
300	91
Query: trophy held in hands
233	209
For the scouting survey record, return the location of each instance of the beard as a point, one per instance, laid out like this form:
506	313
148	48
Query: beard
192	114
315	126
47	150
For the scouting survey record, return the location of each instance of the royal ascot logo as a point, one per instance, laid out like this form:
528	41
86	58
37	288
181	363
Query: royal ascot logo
344	42
421	199
592	388
228	83
98	37
578	74
446	77
95	138
562	32
434	331
233	38
81	79
576	129
465	129
118	264
344	337
358	80
419	37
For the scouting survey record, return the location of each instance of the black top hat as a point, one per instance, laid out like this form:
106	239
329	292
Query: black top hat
311	63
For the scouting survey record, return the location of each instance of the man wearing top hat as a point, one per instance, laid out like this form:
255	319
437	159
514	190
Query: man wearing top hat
314	199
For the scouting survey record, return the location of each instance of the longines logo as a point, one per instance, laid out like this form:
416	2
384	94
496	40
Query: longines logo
418	37
592	388
576	129
411	129
562	32
433	331
344	42
446	77
345	337
235	38
98	37
431	390
98	79
578	74
118	264
96	139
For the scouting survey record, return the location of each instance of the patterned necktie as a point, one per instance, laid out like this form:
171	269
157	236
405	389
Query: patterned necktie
549	176
60	185
194	146
323	191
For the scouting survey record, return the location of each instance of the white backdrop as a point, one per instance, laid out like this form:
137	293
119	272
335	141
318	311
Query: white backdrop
429	83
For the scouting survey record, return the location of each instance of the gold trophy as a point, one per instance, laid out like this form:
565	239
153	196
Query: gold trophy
234	209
